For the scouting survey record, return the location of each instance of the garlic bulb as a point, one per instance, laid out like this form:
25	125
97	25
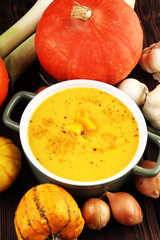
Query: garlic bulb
150	60
134	89
131	3
151	108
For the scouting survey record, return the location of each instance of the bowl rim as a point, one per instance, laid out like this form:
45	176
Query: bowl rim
34	103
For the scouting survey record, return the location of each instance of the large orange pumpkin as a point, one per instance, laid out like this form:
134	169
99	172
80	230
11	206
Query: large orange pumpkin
47	211
89	39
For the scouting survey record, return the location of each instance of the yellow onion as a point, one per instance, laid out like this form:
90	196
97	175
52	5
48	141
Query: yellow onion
148	186
125	208
96	213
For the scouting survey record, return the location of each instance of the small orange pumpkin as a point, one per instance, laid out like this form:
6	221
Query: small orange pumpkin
47	211
10	163
4	82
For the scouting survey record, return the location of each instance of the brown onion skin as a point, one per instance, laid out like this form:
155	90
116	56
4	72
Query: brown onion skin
96	213
125	208
148	186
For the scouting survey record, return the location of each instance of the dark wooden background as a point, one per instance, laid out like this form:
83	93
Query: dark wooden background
149	14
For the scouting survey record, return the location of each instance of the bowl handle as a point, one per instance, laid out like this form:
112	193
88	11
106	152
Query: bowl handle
10	107
145	172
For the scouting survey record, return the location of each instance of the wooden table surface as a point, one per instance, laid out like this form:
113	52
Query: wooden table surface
149	14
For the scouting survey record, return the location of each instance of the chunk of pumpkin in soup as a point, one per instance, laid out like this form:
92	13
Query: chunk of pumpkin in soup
86	134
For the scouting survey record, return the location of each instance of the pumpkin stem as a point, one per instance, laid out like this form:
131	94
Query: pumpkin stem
81	12
54	237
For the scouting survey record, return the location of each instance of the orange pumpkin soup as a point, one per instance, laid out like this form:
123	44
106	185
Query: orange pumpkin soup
83	134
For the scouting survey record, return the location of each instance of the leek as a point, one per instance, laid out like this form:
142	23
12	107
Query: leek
21	58
23	28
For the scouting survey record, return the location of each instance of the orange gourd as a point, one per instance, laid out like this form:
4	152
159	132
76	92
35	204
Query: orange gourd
10	163
98	39
4	82
47	211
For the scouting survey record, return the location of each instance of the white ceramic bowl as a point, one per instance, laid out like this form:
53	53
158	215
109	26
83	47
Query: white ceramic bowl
80	189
